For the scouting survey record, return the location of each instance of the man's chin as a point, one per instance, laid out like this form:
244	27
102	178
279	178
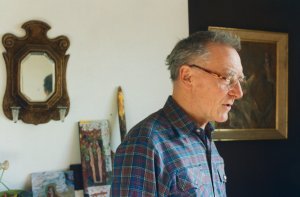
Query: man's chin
222	119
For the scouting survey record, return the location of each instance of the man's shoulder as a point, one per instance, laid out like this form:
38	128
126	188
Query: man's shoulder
151	127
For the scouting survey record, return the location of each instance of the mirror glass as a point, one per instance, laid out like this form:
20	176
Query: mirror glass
37	76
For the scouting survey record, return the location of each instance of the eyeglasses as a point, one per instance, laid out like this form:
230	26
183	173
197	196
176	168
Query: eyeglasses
230	80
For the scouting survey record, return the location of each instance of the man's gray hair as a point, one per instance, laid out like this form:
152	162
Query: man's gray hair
196	46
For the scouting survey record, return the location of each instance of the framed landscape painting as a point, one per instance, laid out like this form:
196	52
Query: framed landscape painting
262	113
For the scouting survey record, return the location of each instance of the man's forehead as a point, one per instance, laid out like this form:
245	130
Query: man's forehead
233	71
226	58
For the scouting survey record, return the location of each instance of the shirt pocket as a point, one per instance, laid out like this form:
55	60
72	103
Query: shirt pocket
221	173
221	180
193	180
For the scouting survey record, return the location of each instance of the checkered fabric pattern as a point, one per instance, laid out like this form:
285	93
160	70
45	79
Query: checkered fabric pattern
163	155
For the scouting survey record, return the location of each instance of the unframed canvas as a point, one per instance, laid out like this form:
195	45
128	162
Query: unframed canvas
95	157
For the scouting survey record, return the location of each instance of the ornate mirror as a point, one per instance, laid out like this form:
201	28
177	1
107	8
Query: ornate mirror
36	90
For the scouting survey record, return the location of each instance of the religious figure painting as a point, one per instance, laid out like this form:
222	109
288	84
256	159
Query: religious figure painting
257	107
262	112
95	157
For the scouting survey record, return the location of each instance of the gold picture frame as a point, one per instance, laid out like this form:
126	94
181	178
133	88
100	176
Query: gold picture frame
262	114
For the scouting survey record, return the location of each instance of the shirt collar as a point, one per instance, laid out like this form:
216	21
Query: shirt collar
180	120
209	128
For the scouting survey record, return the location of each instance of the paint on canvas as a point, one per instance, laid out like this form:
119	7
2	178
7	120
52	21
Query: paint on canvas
95	156
257	107
53	184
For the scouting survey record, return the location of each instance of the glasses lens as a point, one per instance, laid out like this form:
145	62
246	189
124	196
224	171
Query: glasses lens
243	84
241	81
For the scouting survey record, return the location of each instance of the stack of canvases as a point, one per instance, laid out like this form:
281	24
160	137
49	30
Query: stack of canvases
96	166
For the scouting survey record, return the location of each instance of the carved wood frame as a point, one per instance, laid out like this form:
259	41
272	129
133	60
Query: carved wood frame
17	48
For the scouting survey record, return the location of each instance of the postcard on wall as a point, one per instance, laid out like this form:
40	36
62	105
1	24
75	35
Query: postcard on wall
56	183
94	138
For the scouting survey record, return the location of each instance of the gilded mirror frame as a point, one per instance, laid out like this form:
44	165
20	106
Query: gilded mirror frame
17	48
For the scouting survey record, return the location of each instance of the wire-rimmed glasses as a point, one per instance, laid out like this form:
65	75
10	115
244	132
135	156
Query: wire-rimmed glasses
230	80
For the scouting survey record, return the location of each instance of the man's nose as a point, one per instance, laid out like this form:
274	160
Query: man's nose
236	91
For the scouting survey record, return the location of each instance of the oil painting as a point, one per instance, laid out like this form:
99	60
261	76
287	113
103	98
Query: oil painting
262	111
52	184
95	157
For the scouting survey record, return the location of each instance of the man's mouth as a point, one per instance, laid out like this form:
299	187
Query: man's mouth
228	106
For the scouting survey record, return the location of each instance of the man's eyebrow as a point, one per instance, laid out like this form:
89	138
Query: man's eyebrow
232	72
229	72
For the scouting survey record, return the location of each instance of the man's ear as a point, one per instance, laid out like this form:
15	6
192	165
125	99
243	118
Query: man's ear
185	75
187	78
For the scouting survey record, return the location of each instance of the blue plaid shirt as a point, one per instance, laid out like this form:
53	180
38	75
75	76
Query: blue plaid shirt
163	155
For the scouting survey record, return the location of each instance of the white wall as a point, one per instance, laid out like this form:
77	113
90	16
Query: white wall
113	43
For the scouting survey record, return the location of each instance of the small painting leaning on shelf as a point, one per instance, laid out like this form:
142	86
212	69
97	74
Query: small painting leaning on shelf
94	137
56	183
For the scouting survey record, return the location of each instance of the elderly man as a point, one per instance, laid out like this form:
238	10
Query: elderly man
171	153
